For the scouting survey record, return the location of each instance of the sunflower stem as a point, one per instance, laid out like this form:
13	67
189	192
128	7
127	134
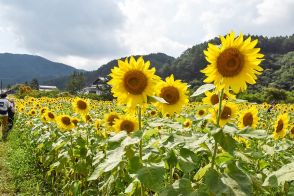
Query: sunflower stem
140	128
220	98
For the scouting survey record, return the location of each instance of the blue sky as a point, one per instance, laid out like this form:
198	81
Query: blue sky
86	34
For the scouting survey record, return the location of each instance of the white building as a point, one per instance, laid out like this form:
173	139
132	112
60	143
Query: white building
96	86
47	88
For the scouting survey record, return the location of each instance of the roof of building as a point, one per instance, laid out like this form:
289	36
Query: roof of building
48	87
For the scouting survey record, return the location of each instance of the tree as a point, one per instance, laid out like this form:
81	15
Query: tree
34	84
76	82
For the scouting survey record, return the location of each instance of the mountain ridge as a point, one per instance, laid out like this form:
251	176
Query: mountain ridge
19	68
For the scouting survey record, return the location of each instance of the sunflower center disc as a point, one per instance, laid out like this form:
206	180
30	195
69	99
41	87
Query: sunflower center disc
201	112
170	94
75	122
50	115
111	119
292	130
226	113
127	125
214	99
66	120
248	119
186	124
81	105
135	82
280	126
230	62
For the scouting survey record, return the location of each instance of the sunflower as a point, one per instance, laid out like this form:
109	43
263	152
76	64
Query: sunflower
50	116
153	113
280	126
64	122
110	118
44	109
81	106
201	113
187	123
243	141
212	97
75	120
234	64
44	118
87	118
132	81
174	92
248	118
97	124
292	132
228	112
32	112
126	123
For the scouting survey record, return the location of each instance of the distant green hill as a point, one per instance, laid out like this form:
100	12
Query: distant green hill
18	68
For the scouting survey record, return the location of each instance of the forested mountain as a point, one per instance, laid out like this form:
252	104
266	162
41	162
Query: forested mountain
18	68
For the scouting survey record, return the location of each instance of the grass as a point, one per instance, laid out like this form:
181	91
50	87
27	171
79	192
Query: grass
19	174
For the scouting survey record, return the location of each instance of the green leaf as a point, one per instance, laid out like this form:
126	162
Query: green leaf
134	164
131	189
150	132
130	141
114	158
188	160
225	141
212	179
202	89
201	172
284	174
152	177
156	99
254	134
179	187
239	182
223	158
118	137
171	158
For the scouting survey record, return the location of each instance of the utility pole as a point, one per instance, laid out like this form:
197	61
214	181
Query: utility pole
1	84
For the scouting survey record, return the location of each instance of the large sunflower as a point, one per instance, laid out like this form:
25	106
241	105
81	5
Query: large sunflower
234	64
174	92
64	122
81	106
248	118
132	81
212	97
228	113
126	123
280	127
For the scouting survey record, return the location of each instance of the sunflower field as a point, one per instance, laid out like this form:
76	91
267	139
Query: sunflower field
152	141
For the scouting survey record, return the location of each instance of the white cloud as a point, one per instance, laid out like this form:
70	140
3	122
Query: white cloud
86	34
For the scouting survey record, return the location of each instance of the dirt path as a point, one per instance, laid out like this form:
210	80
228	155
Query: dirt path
7	185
